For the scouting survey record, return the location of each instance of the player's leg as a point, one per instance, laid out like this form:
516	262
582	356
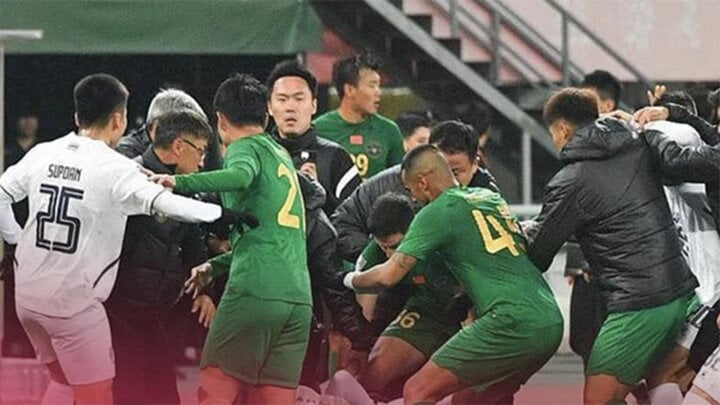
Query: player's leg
279	377
629	345
494	348
216	387
390	358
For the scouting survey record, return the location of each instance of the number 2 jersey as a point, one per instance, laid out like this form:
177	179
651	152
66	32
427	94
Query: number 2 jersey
268	262
472	232
80	193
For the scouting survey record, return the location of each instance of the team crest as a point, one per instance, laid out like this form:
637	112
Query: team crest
374	149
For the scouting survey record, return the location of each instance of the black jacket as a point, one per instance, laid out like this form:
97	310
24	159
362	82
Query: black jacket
350	218
326	270
609	194
136	143
335	169
156	258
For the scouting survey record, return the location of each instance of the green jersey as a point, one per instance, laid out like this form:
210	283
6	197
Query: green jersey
268	262
472	231
433	285
374	144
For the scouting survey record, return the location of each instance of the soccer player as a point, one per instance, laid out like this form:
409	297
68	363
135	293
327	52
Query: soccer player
422	326
261	329
472	231
373	141
80	192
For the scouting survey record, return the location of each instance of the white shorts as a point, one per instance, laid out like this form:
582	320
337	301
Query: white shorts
708	378
81	344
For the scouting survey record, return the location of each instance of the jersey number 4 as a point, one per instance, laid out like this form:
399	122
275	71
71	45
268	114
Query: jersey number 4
495	244
57	213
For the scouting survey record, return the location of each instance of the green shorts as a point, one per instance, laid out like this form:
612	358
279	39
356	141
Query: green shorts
259	342
421	330
630	343
498	347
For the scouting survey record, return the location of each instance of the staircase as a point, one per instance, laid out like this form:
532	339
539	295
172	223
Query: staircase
456	53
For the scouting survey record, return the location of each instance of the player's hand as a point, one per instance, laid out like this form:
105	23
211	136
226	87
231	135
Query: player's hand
657	92
649	114
146	171
200	277
205	305
310	169
164	180
620	115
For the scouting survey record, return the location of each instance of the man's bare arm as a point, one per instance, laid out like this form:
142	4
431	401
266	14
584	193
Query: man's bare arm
381	276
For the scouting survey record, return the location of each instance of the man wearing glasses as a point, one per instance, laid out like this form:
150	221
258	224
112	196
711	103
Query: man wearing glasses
155	261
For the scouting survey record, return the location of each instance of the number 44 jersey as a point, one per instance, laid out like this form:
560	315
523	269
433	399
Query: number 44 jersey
80	193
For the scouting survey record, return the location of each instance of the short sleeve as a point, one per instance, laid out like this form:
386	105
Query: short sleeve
428	232
134	192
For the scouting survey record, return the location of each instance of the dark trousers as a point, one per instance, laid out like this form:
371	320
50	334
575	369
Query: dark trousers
144	365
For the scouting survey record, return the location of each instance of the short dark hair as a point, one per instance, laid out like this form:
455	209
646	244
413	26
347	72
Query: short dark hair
411	120
173	124
412	158
679	98
292	67
347	71
242	99
477	115
391	213
455	137
576	106
97	97
607	85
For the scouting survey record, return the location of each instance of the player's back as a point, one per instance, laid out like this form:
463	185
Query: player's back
70	246
485	251
269	262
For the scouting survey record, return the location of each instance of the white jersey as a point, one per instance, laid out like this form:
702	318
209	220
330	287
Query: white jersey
696	227
80	193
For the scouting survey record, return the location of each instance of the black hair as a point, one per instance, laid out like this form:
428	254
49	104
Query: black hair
576	106
97	97
455	137
242	99
477	115
347	71
409	121
173	124
607	85
680	98
291	67
391	213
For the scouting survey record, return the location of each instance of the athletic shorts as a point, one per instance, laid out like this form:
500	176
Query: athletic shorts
708	379
423	332
81	344
630	343
498	347
259	342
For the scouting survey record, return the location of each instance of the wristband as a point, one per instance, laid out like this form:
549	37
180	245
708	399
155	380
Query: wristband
347	280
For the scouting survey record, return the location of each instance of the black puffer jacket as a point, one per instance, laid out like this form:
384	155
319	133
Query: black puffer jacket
350	218
335	169
156	258
609	194
326	270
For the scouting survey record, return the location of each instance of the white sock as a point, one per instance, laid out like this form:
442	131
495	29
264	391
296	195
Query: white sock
666	394
692	398
58	394
344	385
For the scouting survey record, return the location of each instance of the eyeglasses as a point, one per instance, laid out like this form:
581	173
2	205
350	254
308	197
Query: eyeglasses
202	151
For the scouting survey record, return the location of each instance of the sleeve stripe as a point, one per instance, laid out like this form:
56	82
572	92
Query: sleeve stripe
349	175
152	203
8	193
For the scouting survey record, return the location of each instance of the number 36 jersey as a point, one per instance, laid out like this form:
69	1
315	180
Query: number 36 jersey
80	193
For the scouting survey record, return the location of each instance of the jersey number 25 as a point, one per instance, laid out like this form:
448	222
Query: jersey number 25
57	213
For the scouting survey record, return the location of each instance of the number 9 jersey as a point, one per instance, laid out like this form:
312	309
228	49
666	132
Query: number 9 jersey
80	193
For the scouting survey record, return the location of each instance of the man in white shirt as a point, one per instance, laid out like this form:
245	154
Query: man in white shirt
80	193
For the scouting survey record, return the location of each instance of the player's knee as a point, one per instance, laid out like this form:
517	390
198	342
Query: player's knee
56	373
